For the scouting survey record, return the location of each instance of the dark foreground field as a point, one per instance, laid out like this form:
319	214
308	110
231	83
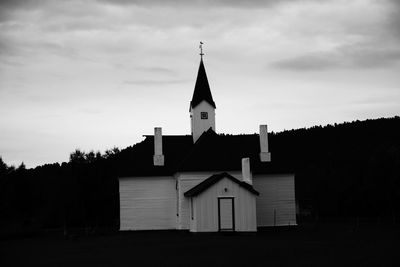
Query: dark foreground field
321	245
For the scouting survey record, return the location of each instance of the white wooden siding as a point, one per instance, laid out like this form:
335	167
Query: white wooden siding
199	126
147	203
276	204
186	181
153	202
206	207
193	223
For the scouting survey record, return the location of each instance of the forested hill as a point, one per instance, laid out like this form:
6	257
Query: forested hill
349	169
342	170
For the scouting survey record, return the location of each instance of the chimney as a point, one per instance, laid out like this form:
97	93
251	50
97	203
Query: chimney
265	156
158	158
246	174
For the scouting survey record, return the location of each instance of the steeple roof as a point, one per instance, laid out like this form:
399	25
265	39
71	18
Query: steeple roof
202	88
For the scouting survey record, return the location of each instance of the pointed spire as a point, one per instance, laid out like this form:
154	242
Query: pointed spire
202	88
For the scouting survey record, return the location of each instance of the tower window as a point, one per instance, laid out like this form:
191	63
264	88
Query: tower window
204	115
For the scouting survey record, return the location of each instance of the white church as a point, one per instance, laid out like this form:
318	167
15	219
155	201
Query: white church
205	181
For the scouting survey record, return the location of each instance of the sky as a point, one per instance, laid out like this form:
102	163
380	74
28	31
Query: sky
92	75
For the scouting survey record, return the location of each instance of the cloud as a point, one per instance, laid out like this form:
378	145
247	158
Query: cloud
91	111
65	55
7	7
76	8
10	5
199	3
160	70
310	62
336	37
373	57
6	47
156	82
393	20
21	46
356	56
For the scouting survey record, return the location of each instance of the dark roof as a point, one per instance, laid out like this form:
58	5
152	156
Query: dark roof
198	189
202	88
212	152
137	160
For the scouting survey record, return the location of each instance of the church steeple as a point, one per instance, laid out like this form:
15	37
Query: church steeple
202	106
202	88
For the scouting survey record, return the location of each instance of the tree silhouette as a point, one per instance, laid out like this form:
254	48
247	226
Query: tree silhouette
111	152
77	156
21	167
3	167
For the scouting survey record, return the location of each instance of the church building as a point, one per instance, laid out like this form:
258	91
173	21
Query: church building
205	181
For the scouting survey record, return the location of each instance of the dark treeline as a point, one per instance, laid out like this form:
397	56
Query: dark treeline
345	170
82	193
342	170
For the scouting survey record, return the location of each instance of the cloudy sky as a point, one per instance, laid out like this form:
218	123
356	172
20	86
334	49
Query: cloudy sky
98	74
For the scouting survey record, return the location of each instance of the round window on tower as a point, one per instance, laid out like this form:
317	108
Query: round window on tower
204	115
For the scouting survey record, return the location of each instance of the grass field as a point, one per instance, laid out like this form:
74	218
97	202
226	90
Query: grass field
321	245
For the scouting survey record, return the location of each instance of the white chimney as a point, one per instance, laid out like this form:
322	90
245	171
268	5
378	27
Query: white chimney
265	156
246	174
158	154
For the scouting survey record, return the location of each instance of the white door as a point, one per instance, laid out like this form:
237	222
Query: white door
226	214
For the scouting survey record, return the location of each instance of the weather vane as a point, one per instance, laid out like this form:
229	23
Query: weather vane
201	50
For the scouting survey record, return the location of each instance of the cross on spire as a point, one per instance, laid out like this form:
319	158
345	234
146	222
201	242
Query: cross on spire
201	49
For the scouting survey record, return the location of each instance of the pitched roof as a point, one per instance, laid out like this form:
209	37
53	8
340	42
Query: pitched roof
201	187
212	152
216	152
137	160
202	88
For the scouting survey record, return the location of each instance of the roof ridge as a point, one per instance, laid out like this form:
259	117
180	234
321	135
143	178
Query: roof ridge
213	179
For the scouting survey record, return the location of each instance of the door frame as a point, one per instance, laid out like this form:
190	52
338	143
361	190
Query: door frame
219	215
